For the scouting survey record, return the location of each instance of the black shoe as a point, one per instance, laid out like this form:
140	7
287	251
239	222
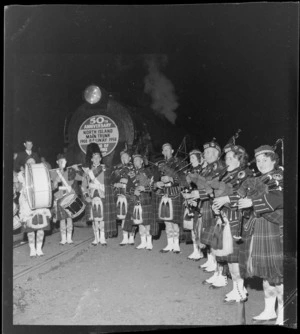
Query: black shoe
164	251
205	283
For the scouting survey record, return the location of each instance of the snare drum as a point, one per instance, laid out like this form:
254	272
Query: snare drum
72	204
38	186
16	208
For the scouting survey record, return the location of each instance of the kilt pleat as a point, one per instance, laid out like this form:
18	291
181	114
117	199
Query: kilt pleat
128	223
154	225
208	223
265	254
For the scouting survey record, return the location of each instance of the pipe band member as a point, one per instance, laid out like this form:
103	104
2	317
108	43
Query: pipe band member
22	157
63	183
121	180
261	254
36	221
170	207
211	168
225	189
140	207
97	189
192	203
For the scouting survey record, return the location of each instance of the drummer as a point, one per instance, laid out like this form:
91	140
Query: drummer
34	221
63	183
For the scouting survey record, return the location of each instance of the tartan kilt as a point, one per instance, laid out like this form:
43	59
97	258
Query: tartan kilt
128	223
234	257
207	235
147	214
156	198
208	224
266	254
178	209
109	212
154	225
60	212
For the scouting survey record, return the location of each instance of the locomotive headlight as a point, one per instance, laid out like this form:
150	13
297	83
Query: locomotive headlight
92	94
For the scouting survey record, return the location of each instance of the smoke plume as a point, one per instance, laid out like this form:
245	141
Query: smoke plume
160	88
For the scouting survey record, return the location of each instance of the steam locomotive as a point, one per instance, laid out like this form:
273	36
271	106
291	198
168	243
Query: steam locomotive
103	119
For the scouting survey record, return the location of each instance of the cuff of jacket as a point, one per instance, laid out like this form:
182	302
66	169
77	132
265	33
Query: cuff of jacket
261	205
234	199
203	195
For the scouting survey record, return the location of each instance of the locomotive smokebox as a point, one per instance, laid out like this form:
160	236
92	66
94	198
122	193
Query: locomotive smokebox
100	120
103	120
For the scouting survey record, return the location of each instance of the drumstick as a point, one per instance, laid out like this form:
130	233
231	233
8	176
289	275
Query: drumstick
69	189
66	168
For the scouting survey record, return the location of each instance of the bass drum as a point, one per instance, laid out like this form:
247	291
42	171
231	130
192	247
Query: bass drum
15	208
38	186
17	223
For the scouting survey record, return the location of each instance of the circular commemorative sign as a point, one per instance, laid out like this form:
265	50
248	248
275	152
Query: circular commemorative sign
101	130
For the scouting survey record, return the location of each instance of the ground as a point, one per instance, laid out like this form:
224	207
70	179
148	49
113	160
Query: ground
113	285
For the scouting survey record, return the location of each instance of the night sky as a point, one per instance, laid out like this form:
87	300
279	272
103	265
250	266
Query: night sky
231	66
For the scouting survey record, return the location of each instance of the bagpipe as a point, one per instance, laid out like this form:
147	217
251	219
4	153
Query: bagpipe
255	187
142	180
171	168
122	189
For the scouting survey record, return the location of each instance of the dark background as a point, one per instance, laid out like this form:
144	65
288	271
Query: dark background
233	66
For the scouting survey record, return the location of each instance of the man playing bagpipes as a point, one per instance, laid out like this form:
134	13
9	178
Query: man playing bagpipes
97	190
226	248
63	185
140	206
211	168
170	206
261	253
34	221
121	182
191	204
